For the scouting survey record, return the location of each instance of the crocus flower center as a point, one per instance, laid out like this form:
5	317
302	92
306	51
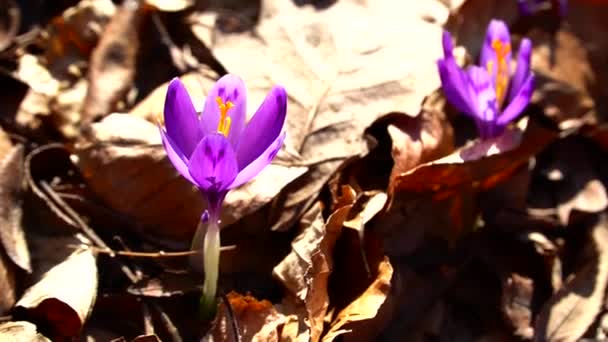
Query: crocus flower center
223	125
502	68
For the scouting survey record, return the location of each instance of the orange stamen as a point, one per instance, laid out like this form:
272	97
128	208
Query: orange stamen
223	125
502	69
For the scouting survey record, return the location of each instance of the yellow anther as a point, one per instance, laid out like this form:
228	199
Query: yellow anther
223	126
502	69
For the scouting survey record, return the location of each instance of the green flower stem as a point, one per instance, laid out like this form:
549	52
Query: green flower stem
211	260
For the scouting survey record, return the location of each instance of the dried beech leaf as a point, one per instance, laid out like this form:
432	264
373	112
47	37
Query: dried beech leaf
418	140
55	299
365	307
305	271
125	156
146	338
334	69
517	304
12	236
21	331
112	66
10	18
73	35
570	312
13	246
482	164
170	5
257	320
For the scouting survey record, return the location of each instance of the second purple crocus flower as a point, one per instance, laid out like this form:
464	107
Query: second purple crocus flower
491	94
217	151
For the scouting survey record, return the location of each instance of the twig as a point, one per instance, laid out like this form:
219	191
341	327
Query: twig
148	325
233	323
159	254
85	228
169	326
88	231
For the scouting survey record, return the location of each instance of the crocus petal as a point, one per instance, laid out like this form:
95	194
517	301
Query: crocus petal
497	32
456	86
446	43
487	107
522	70
228	88
180	118
264	127
177	158
213	164
253	168
519	102
485	94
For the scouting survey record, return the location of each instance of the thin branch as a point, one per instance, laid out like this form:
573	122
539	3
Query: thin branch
169	326
233	323
88	231
154	255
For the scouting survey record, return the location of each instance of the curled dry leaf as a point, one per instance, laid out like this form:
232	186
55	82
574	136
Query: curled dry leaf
57	89
574	183
125	156
12	236
73	35
570	312
516	304
439	197
418	140
170	5
334	69
257	320
306	270
21	331
146	338
482	164
365	307
13	246
55	300
112	66
10	18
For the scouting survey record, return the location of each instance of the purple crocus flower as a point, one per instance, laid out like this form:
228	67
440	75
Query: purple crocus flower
217	151
491	94
529	7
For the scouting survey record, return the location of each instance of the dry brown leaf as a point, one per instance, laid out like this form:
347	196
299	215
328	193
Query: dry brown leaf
57	89
13	246
73	35
10	18
365	307
55	300
482	164
418	140
257	320
439	197
170	5
21	331
146	338
125	156
306	270
516	304
570	312
112	66
12	236
334	70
